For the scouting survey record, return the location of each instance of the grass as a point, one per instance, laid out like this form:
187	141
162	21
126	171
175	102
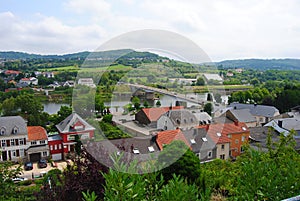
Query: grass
64	68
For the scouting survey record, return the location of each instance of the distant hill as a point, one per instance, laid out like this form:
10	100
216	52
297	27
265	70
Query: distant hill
128	54
261	64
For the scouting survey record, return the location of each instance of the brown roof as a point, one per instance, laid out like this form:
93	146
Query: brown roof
168	136
36	133
153	114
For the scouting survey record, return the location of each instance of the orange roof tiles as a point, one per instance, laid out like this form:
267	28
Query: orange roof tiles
224	130
153	114
36	133
166	137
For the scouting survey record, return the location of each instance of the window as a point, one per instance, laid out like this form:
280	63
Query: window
44	153
236	141
136	151
244	129
55	146
243	138
222	156
12	142
178	121
261	119
151	149
51	147
204	139
193	141
192	120
15	130
42	142
59	146
13	153
33	143
185	121
219	134
21	141
2	132
209	154
223	147
3	143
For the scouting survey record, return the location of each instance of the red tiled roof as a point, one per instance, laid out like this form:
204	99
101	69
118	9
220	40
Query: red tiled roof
166	137
36	133
153	114
12	72
224	130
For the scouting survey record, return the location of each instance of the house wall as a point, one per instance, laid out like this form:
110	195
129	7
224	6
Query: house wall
164	123
224	151
55	146
142	118
13	152
251	124
237	140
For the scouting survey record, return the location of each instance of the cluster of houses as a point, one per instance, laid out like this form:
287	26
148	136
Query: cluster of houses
20	142
209	138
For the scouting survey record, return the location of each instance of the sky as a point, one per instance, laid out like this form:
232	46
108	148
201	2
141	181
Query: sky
230	29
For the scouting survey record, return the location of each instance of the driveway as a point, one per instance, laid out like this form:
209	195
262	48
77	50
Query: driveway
38	172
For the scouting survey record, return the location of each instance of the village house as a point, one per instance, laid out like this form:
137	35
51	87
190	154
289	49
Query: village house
202	144
28	81
71	127
174	119
166	137
55	143
262	113
86	82
237	132
149	116
38	144
13	138
242	115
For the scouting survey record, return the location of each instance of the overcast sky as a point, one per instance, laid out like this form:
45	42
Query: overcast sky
223	29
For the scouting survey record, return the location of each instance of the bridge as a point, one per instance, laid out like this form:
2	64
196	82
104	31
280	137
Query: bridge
183	97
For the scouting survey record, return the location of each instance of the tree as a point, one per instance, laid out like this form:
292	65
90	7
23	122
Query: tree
200	81
146	104
178	159
136	102
78	145
208	107
7	172
158	104
209	97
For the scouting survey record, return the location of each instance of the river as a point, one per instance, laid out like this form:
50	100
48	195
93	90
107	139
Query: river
52	108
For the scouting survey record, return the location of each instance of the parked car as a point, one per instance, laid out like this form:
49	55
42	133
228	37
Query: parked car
18	179
28	166
42	163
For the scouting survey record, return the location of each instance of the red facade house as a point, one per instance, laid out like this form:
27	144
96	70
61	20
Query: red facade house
56	147
70	127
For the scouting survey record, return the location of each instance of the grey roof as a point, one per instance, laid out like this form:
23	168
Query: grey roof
181	117
243	115
256	110
202	116
65	125
54	137
9	123
197	135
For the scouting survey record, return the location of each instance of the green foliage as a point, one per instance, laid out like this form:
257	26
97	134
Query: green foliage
200	81
107	118
218	98
158	103
136	102
89	196
208	107
111	131
177	158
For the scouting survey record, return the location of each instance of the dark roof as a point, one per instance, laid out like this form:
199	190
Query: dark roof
242	115
181	118
65	125
194	138
256	110
8	124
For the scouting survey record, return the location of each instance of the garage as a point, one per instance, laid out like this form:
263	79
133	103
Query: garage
57	157
34	157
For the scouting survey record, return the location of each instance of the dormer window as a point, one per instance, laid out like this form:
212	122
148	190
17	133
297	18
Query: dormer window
219	134
178	121
193	141
136	151
2	131
15	130
204	139
151	149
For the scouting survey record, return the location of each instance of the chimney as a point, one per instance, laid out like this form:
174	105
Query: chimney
236	123
280	123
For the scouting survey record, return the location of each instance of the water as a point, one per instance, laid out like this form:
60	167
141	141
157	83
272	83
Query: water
53	108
